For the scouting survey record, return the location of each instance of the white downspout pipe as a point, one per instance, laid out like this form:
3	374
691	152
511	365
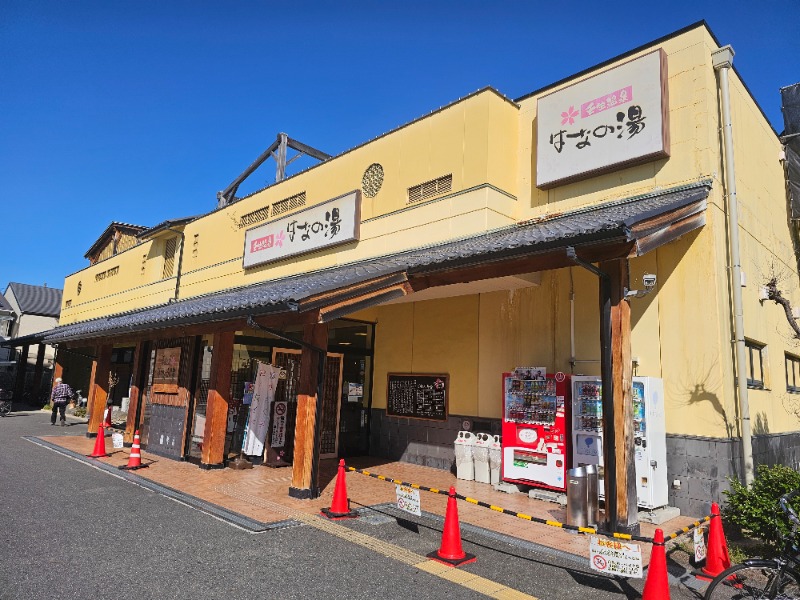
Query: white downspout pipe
722	60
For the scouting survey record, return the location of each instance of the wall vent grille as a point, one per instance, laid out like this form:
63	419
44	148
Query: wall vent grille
251	218
430	189
169	258
290	203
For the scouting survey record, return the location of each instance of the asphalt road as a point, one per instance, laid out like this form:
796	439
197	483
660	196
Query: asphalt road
73	531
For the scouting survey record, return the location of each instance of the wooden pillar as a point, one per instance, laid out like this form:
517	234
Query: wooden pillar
620	471
305	467
22	369
98	388
58	371
219	393
37	372
140	361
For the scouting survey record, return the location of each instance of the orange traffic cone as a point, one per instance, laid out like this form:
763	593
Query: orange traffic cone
107	422
717	557
340	505
99	444
656	586
135	459
451	553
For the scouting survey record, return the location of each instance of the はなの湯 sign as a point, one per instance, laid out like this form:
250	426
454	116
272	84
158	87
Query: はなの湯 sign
324	225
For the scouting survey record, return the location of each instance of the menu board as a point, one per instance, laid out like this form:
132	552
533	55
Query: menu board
421	396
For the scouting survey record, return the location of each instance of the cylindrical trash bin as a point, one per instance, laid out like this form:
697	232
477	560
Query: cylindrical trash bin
577	498
480	456
464	443
495	459
592	495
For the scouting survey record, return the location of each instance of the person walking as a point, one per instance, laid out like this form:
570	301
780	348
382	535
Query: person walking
59	398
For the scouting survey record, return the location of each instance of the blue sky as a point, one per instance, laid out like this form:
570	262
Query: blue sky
140	111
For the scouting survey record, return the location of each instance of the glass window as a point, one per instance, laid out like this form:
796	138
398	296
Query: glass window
792	373
755	364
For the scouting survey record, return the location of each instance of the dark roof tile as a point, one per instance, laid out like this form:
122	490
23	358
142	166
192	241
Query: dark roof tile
37	299
606	221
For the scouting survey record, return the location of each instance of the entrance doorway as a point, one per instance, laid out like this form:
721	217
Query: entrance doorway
166	397
122	371
328	412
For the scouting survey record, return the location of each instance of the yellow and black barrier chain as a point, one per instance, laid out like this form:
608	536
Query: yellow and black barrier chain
525	517
688	528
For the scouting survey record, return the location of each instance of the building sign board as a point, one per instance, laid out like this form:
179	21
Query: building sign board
166	370
321	226
606	122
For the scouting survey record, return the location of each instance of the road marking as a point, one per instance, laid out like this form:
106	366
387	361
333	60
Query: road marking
465	579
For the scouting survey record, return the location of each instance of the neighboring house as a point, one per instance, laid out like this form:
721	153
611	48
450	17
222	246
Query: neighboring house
7	355
586	228
35	308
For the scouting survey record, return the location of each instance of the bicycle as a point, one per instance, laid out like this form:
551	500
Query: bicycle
773	579
5	402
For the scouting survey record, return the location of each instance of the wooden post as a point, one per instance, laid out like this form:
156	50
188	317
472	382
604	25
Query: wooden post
58	371
305	466
137	370
625	517
22	369
98	388
37	372
219	394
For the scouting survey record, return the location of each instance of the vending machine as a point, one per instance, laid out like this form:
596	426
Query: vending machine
649	434
536	437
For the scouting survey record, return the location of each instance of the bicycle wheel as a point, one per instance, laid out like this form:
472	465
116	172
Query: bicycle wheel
5	408
741	582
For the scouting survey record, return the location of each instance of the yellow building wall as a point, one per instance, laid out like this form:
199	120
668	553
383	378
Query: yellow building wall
692	308
681	332
436	336
474	140
129	280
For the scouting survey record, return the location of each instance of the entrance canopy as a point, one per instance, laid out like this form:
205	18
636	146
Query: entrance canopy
612	230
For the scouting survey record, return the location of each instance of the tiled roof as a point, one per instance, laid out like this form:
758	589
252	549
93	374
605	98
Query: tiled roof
612	220
4	305
147	233
101	241
37	299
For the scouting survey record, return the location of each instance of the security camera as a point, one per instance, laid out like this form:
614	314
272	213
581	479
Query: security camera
649	280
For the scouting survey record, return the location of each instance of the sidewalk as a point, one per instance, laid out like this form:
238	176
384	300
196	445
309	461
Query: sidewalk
262	494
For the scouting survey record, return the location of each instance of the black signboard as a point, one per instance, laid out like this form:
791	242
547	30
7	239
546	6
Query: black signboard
421	396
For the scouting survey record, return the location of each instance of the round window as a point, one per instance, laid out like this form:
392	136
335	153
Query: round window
372	181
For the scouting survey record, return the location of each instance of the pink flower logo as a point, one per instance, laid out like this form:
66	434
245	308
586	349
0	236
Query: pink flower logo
568	116
279	239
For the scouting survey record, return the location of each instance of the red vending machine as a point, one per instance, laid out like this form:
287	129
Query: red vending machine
536	433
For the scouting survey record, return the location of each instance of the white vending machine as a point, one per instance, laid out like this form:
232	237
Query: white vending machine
649	431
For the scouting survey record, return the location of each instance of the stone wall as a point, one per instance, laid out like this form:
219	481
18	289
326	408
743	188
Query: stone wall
704	466
422	442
